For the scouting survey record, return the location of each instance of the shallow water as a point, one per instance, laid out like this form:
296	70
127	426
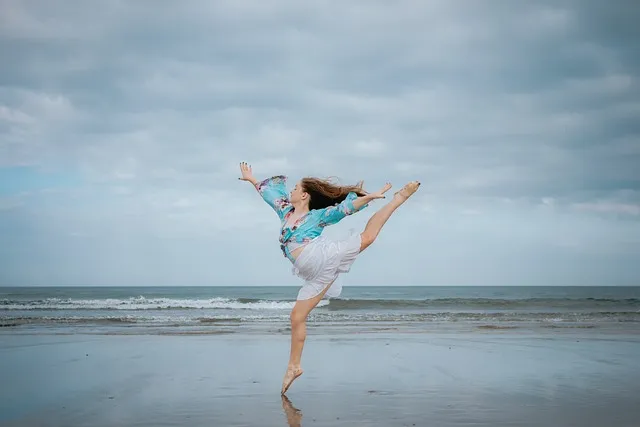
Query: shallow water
398	379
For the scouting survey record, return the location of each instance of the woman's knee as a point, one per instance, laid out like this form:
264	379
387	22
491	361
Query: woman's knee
297	317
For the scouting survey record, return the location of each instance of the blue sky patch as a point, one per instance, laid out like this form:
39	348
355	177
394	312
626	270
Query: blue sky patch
16	180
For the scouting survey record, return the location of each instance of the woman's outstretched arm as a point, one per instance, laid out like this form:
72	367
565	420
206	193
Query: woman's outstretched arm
273	190
350	205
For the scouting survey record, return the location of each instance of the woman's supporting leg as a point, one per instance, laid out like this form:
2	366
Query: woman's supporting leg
299	315
373	227
302	308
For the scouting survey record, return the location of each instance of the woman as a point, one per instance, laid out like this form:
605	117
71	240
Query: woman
312	205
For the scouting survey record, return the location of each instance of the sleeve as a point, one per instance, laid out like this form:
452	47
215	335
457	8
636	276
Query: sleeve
274	192
333	214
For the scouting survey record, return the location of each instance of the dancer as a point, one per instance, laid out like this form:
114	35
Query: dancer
312	205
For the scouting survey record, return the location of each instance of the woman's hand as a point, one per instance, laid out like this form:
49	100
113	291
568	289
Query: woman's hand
247	173
380	193
363	200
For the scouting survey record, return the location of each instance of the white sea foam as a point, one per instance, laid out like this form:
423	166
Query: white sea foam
142	303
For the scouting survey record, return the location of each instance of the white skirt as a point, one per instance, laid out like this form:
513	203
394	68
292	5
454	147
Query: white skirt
320	263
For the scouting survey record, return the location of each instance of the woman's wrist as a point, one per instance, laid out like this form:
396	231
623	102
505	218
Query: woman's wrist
362	201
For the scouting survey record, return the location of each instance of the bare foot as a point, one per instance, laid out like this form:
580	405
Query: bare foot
407	191
293	414
289	377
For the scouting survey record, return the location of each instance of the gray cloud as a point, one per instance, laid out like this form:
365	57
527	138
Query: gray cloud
503	110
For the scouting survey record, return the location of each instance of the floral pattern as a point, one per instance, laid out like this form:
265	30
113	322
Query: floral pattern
334	214
273	191
307	227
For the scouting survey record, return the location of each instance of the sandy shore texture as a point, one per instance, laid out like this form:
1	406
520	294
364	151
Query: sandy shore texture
488	378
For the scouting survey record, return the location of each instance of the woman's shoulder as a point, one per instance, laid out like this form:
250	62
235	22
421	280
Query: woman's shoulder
278	182
275	180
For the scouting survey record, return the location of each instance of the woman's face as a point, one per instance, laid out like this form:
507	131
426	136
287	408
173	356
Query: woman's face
298	194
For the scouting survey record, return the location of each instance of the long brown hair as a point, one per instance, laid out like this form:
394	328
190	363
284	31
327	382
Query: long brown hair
323	193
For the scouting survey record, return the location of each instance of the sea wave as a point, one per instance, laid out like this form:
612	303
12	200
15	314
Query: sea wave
486	303
339	304
143	303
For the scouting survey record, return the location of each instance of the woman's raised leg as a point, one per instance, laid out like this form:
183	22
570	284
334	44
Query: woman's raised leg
299	315
373	227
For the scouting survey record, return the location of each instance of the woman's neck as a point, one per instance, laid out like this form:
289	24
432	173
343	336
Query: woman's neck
300	208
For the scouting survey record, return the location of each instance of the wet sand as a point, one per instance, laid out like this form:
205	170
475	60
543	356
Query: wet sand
490	377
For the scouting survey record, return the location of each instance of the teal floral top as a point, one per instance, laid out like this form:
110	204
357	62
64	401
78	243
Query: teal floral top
307	227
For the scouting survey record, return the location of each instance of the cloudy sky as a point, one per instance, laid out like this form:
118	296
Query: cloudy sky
122	124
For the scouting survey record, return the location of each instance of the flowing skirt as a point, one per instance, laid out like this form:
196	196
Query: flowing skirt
321	262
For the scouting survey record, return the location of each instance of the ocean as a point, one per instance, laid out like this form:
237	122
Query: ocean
183	309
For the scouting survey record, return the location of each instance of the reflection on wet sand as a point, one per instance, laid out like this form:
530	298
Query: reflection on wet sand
293	414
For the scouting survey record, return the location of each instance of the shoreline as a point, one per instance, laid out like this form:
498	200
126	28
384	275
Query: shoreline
318	328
